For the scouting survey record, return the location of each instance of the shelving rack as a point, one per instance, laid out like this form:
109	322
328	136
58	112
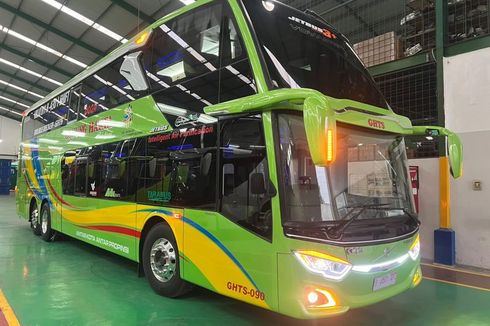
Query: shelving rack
443	28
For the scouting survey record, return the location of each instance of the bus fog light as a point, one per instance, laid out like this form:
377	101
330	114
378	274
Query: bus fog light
417	278
414	250
329	266
313	297
319	298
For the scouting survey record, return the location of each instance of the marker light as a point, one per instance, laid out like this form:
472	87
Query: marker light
417	278
319	298
330	145
329	266
142	38
268	5
414	250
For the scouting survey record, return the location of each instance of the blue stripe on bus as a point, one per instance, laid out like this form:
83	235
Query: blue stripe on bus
221	246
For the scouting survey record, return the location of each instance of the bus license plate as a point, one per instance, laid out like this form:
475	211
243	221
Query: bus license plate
384	281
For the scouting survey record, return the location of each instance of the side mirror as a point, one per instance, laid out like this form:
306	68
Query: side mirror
132	70
454	146
257	184
455	153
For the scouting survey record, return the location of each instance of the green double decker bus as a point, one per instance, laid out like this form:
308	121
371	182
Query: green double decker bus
238	146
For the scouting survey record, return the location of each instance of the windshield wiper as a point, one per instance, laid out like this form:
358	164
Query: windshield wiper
336	232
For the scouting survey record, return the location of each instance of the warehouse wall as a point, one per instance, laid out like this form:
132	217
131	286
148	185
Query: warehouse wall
467	107
428	203
10	135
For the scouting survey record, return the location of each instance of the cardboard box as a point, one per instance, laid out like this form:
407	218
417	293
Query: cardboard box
380	49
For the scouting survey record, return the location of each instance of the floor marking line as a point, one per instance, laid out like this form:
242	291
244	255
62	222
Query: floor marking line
7	311
455	283
456	269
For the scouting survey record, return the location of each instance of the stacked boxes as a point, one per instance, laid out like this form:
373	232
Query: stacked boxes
380	49
4	177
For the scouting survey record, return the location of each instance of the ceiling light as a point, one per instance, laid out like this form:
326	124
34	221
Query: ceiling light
33	73
85	20
41	46
187	2
20	88
11	111
13	101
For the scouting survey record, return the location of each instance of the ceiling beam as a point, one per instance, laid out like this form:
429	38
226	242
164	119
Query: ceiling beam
10	115
357	16
39	62
16	97
33	84
133	10
50	28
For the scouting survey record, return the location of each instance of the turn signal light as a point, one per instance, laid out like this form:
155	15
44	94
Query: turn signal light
330	146
417	278
319	298
142	38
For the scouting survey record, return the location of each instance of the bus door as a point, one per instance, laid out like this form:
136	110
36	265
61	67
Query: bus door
229	249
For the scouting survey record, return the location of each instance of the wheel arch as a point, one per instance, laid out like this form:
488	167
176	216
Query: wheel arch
150	222
32	204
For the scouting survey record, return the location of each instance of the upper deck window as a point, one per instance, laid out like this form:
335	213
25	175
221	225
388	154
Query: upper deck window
304	52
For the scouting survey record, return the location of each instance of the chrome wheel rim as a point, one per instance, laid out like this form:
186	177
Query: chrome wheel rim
44	222
34	216
162	260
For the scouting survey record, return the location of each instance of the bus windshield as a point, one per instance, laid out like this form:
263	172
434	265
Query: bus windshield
368	181
303	52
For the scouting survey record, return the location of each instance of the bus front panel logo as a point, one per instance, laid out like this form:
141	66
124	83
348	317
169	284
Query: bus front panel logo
376	124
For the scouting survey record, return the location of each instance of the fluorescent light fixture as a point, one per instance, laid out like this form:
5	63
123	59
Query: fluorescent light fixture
86	20
30	72
41	46
20	88
107	83
81	143
48	141
187	2
111	123
174	72
105	136
11	111
13	101
29	145
73	133
165	108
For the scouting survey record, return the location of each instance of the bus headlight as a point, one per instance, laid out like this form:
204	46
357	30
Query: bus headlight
414	250
329	266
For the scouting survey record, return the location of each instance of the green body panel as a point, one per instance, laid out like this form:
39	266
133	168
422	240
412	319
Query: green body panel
216	253
122	245
255	254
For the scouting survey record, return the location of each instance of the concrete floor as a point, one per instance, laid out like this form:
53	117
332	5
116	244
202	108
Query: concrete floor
71	283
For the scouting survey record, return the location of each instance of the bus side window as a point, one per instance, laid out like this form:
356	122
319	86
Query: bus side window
122	170
68	172
180	169
244	196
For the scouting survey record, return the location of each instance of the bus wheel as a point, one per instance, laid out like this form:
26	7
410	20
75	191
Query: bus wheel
161	262
35	225
47	234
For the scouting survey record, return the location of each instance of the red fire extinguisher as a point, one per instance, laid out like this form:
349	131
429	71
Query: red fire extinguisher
414	177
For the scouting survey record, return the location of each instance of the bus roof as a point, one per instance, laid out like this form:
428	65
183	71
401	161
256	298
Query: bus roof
117	53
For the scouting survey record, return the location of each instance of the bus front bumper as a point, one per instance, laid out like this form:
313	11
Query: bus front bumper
305	295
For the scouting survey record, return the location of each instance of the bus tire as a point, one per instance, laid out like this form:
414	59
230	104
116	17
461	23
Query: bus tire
47	233
161	262
34	219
